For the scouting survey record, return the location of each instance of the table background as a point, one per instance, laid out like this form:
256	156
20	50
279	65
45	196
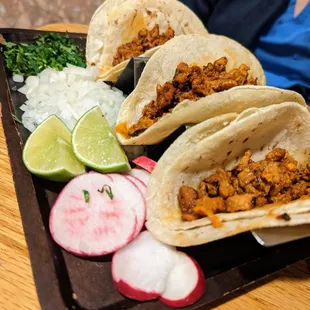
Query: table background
34	13
287	289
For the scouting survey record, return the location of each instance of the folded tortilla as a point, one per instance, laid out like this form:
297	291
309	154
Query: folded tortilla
219	142
191	49
117	22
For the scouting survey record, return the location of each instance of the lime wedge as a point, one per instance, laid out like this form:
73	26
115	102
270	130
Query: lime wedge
48	152
95	145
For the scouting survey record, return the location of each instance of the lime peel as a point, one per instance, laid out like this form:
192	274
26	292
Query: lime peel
95	145
48	152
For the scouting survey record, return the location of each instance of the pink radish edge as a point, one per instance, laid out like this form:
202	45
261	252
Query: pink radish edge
135	225
195	292
139	221
178	282
132	293
145	163
140	184
139	271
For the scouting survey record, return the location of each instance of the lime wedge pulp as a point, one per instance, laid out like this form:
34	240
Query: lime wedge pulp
95	145
48	152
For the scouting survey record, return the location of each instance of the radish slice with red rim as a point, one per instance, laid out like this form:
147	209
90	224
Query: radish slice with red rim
145	163
141	174
140	269
96	214
138	208
137	182
185	284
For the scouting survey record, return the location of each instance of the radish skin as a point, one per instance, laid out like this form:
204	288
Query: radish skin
148	269
138	183
138	208
102	225
140	269
136	294
145	163
185	284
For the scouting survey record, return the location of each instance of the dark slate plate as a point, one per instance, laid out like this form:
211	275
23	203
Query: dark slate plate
64	281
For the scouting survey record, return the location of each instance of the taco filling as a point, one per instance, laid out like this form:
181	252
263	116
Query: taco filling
250	184
146	40
192	83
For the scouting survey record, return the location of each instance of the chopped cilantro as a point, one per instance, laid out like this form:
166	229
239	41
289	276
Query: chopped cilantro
86	195
49	50
16	119
106	188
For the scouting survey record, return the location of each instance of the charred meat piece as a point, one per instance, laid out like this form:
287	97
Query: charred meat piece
235	183
202	189
283	198
187	198
298	190
143	124
150	110
245	177
190	95
205	204
146	40
220	64
181	74
276	173
261	201
165	96
190	82
305	174
220	85
212	190
207	189
276	154
240	203
225	187
243	163
258	167
221	180
251	189
275	179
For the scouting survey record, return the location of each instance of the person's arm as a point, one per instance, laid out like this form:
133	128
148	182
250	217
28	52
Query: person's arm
202	8
240	20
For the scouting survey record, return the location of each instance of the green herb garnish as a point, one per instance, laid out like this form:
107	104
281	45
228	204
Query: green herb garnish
86	195
16	119
108	190
49	50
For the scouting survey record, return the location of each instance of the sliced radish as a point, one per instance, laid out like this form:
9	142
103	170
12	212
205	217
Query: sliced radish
141	174
102	224
185	284
137	182
145	163
139	209
140	270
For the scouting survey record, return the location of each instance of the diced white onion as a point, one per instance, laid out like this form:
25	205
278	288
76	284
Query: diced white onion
68	94
18	78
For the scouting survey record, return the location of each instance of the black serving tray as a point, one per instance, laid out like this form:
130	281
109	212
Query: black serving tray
64	281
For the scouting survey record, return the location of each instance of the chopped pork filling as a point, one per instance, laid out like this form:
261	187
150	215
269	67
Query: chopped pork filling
192	83
145	41
248	185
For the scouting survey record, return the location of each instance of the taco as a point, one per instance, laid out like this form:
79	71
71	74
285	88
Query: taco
122	29
191	78
231	174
